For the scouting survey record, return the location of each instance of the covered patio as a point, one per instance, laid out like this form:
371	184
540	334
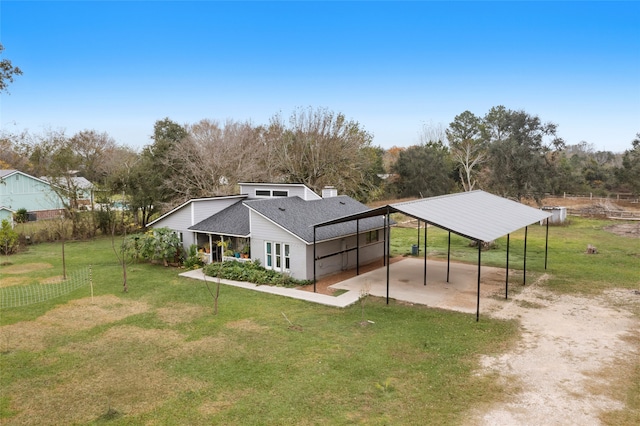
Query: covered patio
405	284
476	215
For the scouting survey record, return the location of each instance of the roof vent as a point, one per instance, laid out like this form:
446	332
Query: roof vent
281	209
342	202
329	191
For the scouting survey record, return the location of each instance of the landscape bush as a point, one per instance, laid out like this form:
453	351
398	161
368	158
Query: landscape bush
8	238
252	272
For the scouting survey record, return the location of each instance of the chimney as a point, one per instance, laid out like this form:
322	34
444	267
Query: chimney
329	191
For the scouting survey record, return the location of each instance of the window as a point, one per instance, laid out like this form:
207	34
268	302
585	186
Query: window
280	193
269	193
263	193
277	256
372	236
269	256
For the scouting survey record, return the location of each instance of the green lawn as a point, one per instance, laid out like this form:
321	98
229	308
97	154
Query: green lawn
158	355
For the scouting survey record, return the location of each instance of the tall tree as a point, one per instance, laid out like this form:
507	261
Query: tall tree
215	156
92	149
7	72
468	148
149	179
424	171
629	173
523	153
319	147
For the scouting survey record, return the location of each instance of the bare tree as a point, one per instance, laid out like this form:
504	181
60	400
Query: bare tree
467	147
319	147
214	157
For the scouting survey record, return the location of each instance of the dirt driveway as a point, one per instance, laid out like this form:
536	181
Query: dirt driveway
573	361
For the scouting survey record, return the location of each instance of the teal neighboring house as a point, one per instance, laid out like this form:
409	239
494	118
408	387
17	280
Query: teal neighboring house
19	190
6	213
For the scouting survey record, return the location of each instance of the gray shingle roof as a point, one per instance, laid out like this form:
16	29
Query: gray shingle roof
234	220
298	216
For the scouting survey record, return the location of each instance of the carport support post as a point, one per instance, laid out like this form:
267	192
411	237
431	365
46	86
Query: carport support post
357	246
425	252
386	243
314	259
418	236
448	255
524	269
506	282
479	259
546	246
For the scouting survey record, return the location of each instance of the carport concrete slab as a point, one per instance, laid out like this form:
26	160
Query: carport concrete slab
406	283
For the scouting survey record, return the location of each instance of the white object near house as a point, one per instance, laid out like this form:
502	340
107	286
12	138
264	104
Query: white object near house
559	214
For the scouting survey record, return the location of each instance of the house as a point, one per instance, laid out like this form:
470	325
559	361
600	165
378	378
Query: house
19	190
79	188
6	214
273	223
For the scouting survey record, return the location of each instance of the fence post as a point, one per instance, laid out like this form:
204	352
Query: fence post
91	282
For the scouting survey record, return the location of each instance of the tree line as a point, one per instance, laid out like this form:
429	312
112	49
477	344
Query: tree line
507	152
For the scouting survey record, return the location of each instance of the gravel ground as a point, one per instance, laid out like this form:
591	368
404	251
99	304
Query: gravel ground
572	353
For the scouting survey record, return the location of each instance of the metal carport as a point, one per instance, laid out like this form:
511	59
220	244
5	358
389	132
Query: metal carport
477	215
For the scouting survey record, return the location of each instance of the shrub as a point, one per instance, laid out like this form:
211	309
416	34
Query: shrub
161	244
251	272
193	259
8	238
21	215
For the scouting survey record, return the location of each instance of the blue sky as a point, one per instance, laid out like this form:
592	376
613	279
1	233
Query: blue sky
119	66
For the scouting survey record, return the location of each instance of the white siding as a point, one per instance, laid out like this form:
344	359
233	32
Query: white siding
302	254
263	230
344	261
192	213
294	190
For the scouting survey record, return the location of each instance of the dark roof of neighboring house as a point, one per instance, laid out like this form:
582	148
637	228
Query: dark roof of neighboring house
234	220
298	216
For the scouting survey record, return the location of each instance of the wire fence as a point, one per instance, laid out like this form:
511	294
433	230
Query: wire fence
23	295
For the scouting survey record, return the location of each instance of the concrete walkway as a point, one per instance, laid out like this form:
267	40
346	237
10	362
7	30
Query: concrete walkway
344	300
406	284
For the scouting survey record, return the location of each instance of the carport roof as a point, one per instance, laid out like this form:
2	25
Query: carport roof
476	215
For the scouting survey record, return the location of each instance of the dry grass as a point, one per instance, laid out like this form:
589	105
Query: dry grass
25	268
11	281
180	313
246	325
224	401
52	280
75	316
119	370
619	381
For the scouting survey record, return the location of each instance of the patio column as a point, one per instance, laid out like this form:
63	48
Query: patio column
448	255
479	259
386	243
425	252
357	246
546	246
524	271
506	282
314	259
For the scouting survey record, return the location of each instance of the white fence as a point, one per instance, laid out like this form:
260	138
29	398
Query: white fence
23	295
